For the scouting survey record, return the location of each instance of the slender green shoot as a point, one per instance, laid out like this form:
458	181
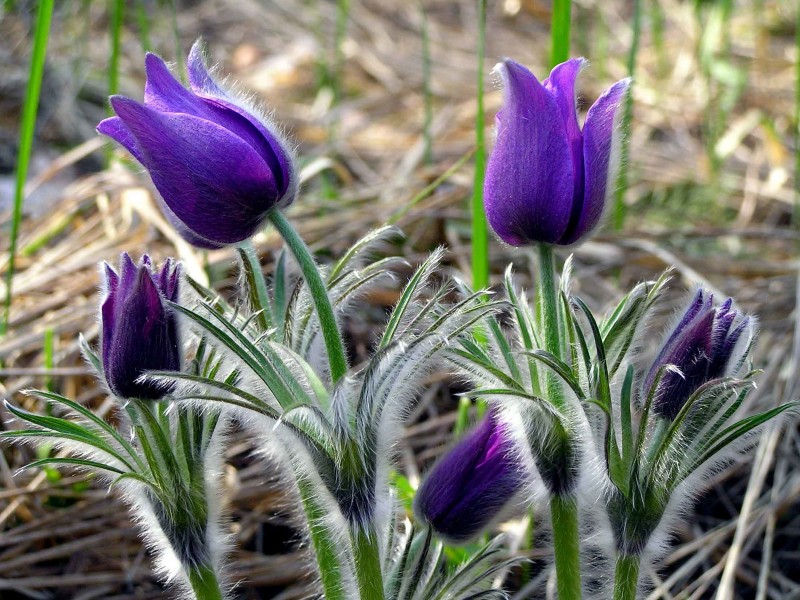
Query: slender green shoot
342	17
205	584
559	31
480	229
626	577
43	18
625	124
143	23
368	564
462	417
117	18
566	545
427	96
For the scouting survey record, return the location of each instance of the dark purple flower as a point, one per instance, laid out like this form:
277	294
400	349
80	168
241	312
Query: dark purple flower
701	346
470	485
546	180
219	168
140	333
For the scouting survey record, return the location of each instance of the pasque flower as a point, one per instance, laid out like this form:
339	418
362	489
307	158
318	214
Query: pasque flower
470	485
701	346
547	179
140	333
219	167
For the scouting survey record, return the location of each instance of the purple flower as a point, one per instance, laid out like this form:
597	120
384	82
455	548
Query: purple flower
702	346
219	168
140	333
470	485
546	180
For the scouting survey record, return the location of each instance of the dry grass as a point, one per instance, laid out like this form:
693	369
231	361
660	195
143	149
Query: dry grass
729	228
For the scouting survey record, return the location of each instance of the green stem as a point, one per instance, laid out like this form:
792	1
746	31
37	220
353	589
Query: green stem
548	297
626	577
566	542
257	285
480	229
319	292
559	31
548	318
204	583
325	548
27	127
368	564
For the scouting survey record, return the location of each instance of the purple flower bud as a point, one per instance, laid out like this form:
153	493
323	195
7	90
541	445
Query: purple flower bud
140	333
546	180
219	168
470	485
701	346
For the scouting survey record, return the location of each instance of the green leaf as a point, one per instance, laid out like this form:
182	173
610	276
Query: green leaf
88	414
255	287
418	280
80	462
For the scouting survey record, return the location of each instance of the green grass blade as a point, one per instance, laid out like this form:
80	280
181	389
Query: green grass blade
143	23
480	230
559	31
427	97
117	17
27	128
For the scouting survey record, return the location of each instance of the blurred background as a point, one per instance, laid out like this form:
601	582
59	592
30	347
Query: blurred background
381	99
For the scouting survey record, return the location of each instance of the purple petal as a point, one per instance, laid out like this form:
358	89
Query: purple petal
529	187
212	180
114	128
561	84
200	79
269	143
186	233
144	338
725	352
470	485
600	138
127	274
107	316
165	93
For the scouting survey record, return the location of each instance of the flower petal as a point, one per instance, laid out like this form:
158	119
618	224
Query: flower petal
211	179
200	79
144	338
601	137
561	84
270	144
529	187
114	128
166	94
107	315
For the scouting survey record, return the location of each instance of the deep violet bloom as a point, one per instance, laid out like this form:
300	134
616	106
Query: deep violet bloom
701	346
140	332
547	180
219	168
471	484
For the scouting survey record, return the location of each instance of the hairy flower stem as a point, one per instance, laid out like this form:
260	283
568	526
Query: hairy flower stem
566	542
325	547
548	302
368	564
563	508
626	577
319	292
204	583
